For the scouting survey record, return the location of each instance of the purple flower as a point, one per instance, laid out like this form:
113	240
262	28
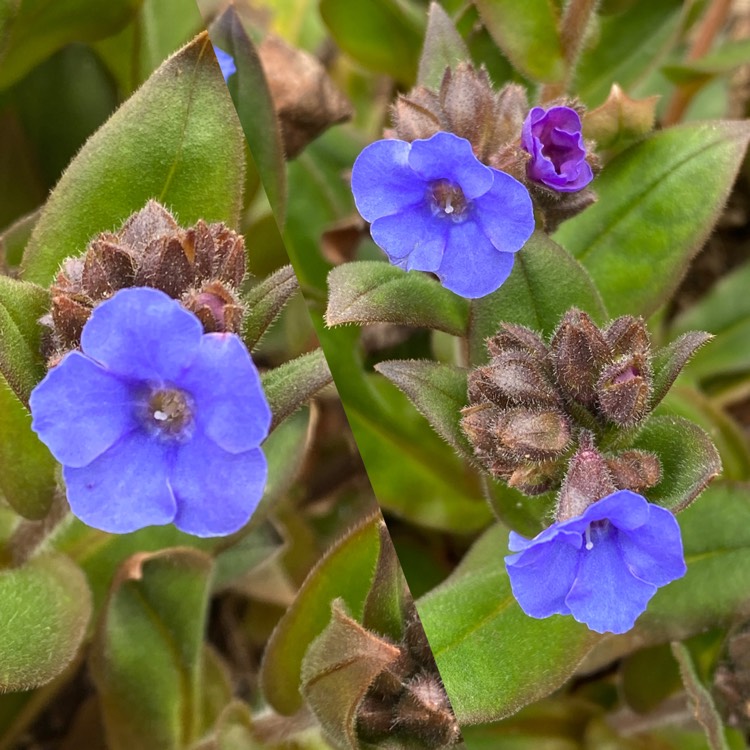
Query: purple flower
155	422
226	63
601	567
558	154
435	207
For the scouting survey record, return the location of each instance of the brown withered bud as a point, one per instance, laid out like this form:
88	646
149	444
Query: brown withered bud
624	390
635	470
578	351
304	97
586	481
201	266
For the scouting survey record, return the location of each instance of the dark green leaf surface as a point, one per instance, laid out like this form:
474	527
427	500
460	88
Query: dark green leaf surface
46	606
492	657
372	292
657	203
264	303
177	140
528	34
545	282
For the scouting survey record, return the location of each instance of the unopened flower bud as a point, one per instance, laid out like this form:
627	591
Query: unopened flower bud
107	267
68	318
627	335
635	470
217	308
536	479
535	435
587	480
424	713
417	115
512	336
516	377
165	266
578	351
624	390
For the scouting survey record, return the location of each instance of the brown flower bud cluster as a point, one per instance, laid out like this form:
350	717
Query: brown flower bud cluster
536	404
466	104
408	700
202	266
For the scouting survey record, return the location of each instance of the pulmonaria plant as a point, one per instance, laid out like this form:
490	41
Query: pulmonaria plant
155	421
433	206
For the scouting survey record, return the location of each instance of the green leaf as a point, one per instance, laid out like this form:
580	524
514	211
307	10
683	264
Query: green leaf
544	284
528	34
189	156
254	105
150	695
689	460
493	658
293	384
27	480
703	705
383	35
439	393
669	361
265	302
366	292
443	48
43	619
345	572
658	201
31	30
730	55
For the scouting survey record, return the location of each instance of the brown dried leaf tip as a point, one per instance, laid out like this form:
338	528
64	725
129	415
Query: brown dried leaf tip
202	266
538	410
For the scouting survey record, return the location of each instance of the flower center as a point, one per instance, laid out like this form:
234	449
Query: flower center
594	532
167	413
448	200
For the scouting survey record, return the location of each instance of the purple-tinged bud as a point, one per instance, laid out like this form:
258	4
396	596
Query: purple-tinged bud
624	390
558	154
627	335
578	351
635	470
217	308
587	480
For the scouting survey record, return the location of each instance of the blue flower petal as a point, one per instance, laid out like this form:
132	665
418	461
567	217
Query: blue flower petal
383	183
654	552
230	406
540	586
80	410
605	595
624	509
216	491
472	266
413	231
143	334
226	63
505	213
445	156
124	489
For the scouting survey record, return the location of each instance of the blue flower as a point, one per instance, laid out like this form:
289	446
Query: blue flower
558	154
226	63
155	422
435	207
602	567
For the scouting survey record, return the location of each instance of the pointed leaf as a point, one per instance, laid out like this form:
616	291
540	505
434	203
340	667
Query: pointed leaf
729	55
265	301
545	282
439	393
189	157
658	201
27	479
150	695
46	606
689	460
254	105
669	361
293	384
373	292
344	572
473	615
528	34
443	48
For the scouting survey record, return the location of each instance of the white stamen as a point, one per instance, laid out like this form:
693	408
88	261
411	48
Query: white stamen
448	207
589	543
160	416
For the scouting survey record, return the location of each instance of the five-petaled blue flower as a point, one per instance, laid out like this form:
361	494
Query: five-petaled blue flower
558	154
155	421
435	207
226	63
602	567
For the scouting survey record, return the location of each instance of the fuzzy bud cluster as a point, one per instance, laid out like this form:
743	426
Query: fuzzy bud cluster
536	409
202	266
